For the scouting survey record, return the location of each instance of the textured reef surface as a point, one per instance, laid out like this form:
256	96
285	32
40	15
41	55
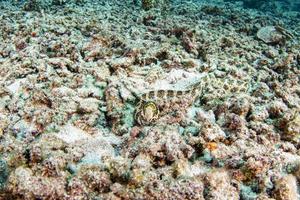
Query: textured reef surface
150	99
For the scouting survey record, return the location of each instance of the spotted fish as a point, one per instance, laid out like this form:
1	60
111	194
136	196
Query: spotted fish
147	108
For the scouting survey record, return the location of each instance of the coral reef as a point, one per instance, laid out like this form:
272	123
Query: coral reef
150	99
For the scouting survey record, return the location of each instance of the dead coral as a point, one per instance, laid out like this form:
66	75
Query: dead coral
292	128
163	148
274	35
219	185
148	4
95	179
286	188
23	183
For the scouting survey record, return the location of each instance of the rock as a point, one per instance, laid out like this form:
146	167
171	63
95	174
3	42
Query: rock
264	197
3	173
220	187
30	186
273	35
286	188
292	128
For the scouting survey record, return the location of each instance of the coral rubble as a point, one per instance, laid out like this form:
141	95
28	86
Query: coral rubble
150	99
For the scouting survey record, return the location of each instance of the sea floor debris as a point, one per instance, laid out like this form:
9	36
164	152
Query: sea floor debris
149	100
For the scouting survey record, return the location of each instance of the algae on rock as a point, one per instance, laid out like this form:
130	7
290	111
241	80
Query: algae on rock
3	173
148	4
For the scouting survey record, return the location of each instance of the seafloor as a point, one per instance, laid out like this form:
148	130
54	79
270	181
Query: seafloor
78	119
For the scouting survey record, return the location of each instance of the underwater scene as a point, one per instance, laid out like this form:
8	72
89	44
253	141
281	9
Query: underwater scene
149	99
